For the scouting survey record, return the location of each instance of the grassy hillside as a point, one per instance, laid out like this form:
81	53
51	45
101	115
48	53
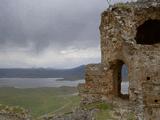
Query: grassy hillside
40	101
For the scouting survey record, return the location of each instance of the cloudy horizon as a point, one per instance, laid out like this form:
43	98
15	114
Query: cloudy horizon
50	33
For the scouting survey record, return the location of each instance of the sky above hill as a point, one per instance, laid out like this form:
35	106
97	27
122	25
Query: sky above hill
50	33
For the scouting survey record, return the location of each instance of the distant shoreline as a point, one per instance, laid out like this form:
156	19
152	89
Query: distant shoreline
57	79
9	87
38	82
68	79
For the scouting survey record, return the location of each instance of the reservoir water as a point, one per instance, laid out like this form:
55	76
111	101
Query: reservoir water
37	82
45	82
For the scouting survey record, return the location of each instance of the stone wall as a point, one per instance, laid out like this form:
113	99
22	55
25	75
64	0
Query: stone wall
119	45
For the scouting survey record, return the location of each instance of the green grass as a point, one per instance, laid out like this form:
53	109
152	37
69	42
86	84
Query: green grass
98	105
40	101
103	115
104	110
131	116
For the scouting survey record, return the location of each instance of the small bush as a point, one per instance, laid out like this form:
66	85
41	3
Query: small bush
98	105
103	106
122	6
131	116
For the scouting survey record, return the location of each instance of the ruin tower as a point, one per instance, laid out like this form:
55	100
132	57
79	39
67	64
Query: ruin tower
130	35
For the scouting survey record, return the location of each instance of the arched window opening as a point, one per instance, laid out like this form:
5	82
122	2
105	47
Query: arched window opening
121	82
148	33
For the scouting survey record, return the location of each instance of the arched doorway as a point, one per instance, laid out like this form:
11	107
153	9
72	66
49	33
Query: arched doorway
125	81
148	33
120	79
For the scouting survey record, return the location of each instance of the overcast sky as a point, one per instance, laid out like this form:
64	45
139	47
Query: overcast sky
50	33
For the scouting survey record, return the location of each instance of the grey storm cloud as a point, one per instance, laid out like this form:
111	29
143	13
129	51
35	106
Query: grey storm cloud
49	22
50	33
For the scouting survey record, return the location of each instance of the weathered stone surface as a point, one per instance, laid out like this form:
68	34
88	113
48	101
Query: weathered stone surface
13	113
126	39
78	114
148	0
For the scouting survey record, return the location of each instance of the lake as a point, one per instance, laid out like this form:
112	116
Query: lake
37	82
45	82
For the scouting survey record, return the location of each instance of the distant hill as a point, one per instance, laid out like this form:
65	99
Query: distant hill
68	74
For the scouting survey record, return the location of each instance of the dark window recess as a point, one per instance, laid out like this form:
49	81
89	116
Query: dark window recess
155	101
148	33
148	78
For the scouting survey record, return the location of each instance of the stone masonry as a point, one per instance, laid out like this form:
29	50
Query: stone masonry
130	35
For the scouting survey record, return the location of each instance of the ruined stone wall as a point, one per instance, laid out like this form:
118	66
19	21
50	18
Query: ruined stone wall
119	25
96	87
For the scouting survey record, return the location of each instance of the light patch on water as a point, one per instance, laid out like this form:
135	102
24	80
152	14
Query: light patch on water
124	87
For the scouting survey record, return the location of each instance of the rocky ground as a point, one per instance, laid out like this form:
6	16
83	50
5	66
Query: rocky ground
13	113
97	111
94	111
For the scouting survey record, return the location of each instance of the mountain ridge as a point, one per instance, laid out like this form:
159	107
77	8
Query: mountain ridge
69	74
